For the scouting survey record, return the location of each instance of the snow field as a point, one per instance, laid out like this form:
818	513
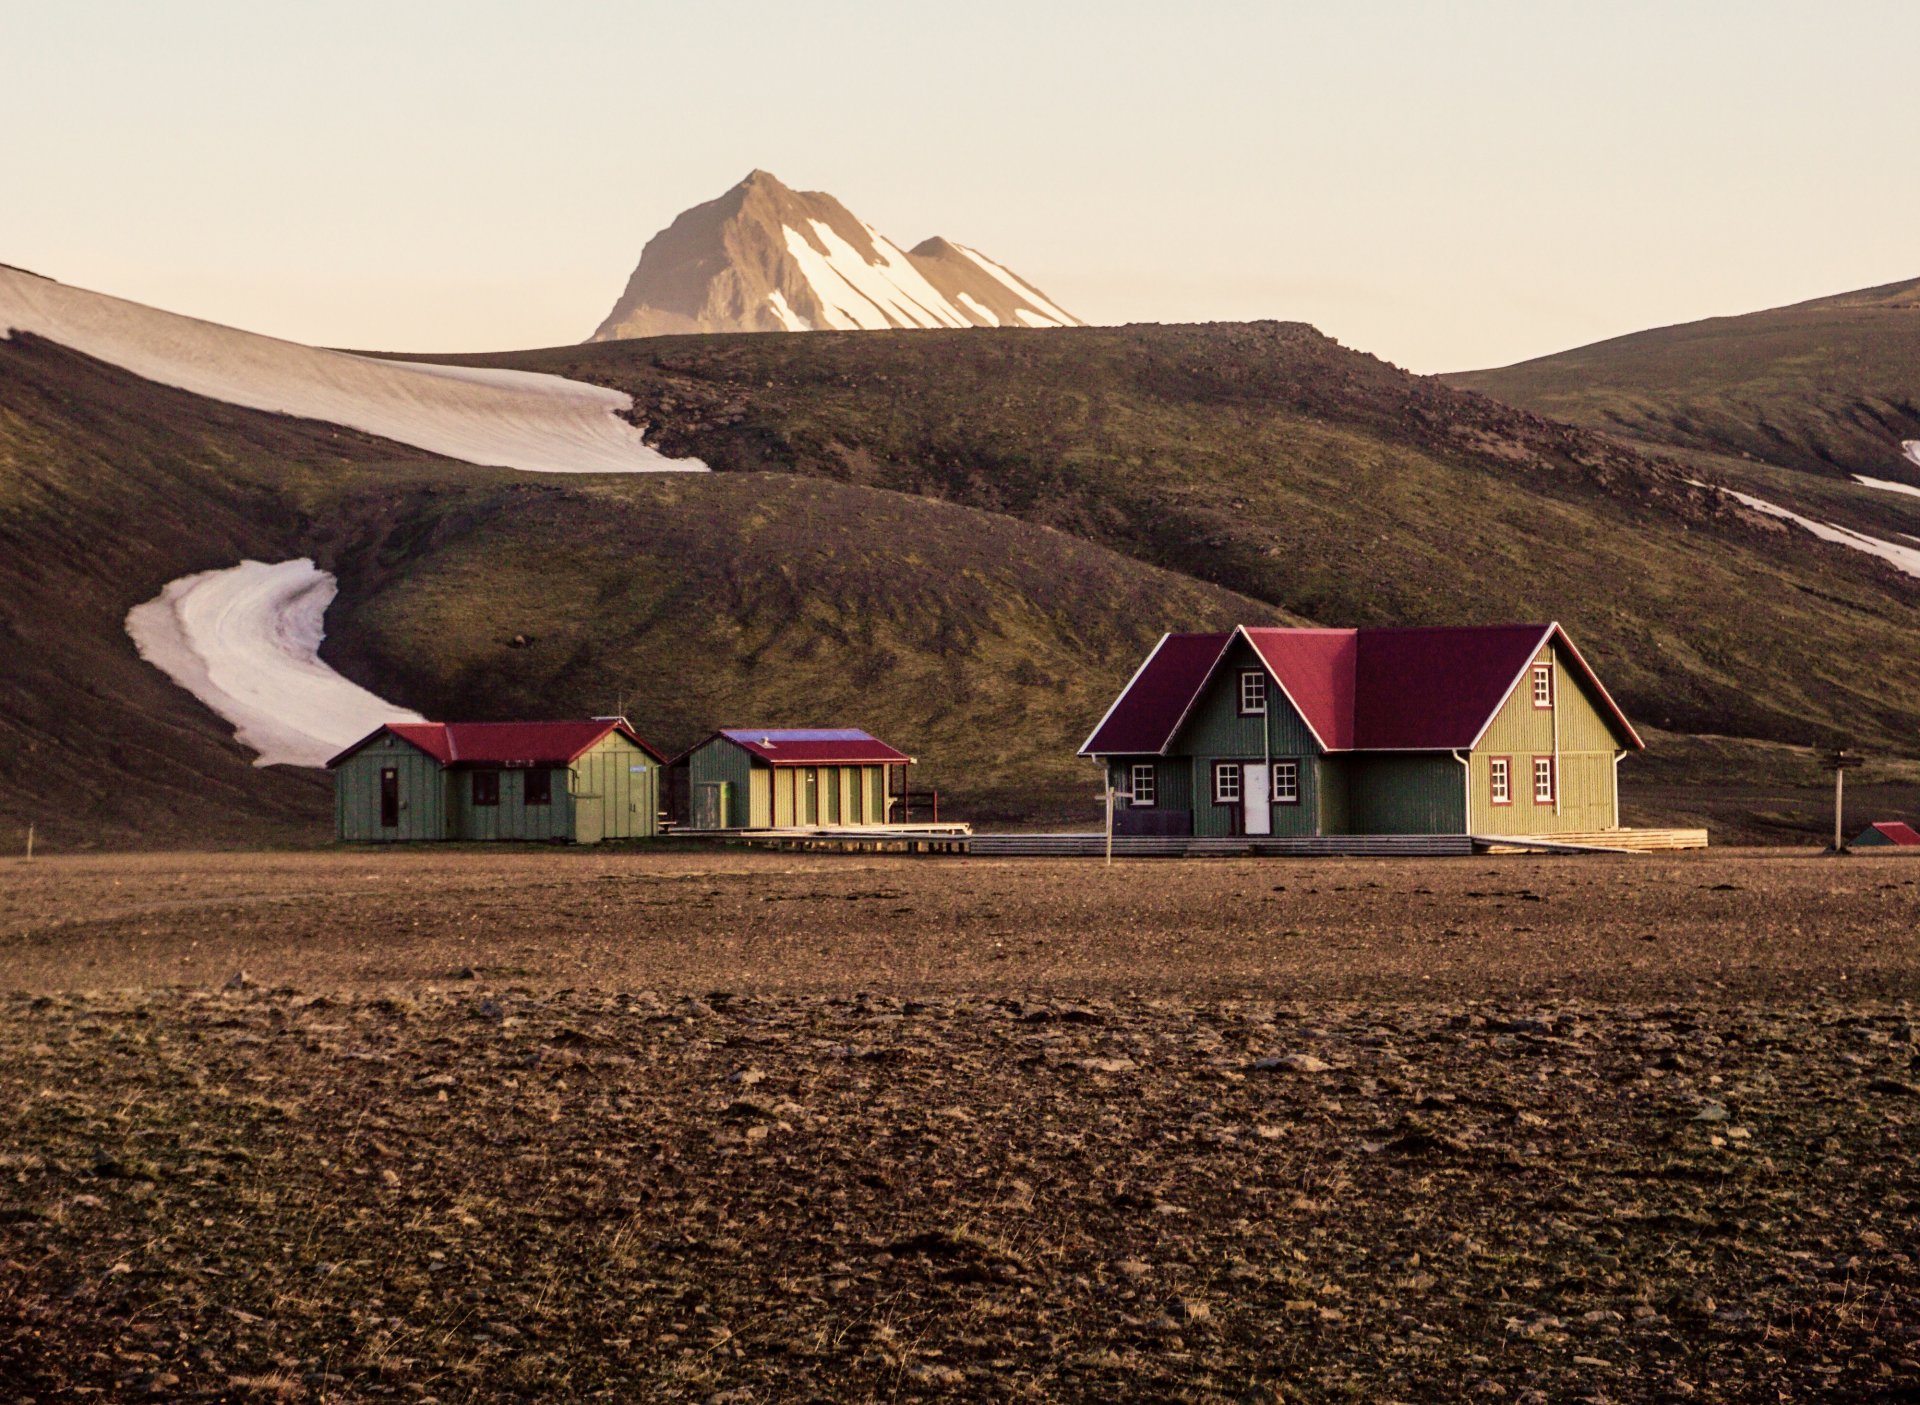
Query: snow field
1902	558
245	641
507	419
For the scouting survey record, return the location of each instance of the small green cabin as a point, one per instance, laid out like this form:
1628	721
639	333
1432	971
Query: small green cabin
791	778
1495	730
577	782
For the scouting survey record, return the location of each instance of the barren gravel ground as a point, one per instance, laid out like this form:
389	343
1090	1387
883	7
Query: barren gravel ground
700	1126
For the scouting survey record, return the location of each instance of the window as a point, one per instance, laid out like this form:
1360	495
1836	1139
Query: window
539	786
1500	780
1543	685
1286	782
486	787
1226	782
1253	693
1142	780
1543	780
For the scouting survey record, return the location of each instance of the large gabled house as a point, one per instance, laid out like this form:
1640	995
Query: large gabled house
1490	730
579	781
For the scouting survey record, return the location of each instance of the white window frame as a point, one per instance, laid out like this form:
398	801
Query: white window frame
1543	685
1142	770
1289	767
1253	681
1221	769
1543	780
1500	780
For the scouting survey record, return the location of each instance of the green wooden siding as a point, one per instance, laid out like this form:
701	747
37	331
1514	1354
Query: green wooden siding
1172	779
356	794
720	762
1215	731
1587	744
1406	792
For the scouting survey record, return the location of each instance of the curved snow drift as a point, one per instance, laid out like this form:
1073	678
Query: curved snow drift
1903	558
246	641
1887	485
1911	448
506	419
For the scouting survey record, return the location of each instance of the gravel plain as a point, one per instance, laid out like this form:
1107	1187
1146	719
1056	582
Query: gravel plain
727	1127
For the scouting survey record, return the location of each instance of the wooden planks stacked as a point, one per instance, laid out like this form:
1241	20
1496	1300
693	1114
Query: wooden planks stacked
1633	841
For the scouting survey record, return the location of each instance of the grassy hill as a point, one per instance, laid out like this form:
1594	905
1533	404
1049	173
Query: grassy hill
964	541
1828	387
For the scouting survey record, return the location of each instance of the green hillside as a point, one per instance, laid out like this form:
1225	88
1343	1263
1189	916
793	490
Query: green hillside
964	541
1829	387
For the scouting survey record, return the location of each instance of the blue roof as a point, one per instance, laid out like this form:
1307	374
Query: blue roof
796	734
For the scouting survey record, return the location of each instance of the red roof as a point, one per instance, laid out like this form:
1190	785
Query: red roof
812	746
1149	709
1433	689
1896	831
504	743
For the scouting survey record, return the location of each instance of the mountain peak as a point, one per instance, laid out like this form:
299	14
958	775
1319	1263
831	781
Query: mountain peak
767	258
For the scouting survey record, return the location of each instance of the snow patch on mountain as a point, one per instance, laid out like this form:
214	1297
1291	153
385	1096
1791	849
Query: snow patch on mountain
789	319
245	640
1021	289
509	419
1911	448
1903	558
979	309
1886	485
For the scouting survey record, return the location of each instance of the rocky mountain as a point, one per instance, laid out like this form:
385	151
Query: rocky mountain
765	258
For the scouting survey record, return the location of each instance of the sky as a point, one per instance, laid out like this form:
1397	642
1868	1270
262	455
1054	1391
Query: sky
1446	185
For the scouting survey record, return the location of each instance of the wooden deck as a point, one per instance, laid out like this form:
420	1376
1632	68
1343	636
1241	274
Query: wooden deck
1599	841
959	839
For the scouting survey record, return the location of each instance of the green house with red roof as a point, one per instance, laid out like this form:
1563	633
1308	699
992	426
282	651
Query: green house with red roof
1483	730
573	781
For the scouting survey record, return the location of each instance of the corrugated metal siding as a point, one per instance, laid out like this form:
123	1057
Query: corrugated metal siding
1521	731
1406	793
1214	731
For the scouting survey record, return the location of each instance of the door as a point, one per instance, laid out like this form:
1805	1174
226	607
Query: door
389	797
810	803
1256	785
589	819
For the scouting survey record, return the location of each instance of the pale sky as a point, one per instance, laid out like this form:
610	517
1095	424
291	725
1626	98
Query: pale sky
1446	185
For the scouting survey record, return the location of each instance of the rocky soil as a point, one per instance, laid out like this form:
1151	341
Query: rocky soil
340	1182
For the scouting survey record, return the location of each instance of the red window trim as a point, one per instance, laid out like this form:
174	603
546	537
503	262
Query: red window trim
1553	781
1491	798
1273	777
1240	692
1213	784
1538	669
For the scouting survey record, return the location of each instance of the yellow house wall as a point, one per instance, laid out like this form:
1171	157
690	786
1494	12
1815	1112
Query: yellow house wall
1586	747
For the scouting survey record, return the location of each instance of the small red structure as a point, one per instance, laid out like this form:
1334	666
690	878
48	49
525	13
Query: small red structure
1885	832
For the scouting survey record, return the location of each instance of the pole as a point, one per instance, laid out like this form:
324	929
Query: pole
1109	819
29	841
1839	790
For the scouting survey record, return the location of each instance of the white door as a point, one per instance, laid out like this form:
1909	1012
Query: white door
1256	782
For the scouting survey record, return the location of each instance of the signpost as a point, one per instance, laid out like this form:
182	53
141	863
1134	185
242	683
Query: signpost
1842	761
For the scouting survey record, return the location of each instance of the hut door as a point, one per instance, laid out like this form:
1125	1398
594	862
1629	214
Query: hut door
1255	787
811	802
389	797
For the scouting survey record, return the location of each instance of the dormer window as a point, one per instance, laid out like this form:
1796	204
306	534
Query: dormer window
1253	693
1543	685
